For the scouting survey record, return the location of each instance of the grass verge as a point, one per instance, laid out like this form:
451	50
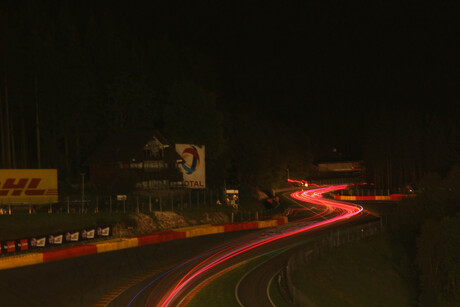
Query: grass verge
275	293
220	292
356	274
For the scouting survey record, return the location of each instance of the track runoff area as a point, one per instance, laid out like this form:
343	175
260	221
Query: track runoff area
179	282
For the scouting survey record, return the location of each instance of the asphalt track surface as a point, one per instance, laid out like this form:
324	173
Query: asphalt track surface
84	281
172	287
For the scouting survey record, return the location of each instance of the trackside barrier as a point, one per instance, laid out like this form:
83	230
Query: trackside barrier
282	221
202	230
20	260
394	197
228	227
116	244
265	224
123	243
158	237
69	252
253	225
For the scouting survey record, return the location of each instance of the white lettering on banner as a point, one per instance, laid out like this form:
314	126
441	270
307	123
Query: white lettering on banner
106	231
58	239
23	244
90	234
74	236
41	242
193	183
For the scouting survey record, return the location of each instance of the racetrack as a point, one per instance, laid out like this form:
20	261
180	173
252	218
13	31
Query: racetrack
165	273
172	287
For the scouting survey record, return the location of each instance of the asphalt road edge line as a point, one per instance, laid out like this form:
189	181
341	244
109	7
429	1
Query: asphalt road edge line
248	272
207	281
116	292
268	287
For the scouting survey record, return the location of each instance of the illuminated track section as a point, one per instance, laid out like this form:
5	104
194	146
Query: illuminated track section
210	262
315	196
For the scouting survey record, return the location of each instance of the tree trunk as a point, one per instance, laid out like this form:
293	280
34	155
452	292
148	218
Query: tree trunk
13	151
2	133
24	142
7	125
77	146
37	126
66	153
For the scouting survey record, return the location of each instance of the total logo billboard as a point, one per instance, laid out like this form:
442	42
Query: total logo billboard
193	167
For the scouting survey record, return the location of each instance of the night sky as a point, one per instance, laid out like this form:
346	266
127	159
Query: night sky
320	53
328	67
306	48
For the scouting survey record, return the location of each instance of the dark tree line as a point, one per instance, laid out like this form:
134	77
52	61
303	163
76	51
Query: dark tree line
428	227
407	145
73	75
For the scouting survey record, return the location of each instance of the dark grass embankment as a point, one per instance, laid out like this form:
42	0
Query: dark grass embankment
220	292
21	224
365	273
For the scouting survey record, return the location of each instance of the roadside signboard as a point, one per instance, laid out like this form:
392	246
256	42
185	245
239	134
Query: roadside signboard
193	167
122	197
28	186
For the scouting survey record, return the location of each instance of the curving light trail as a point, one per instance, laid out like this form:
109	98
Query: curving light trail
333	209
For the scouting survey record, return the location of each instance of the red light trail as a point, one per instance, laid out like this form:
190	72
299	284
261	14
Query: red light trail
333	212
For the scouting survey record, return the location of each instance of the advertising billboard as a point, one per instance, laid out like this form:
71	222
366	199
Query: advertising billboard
28	186
193	167
340	166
